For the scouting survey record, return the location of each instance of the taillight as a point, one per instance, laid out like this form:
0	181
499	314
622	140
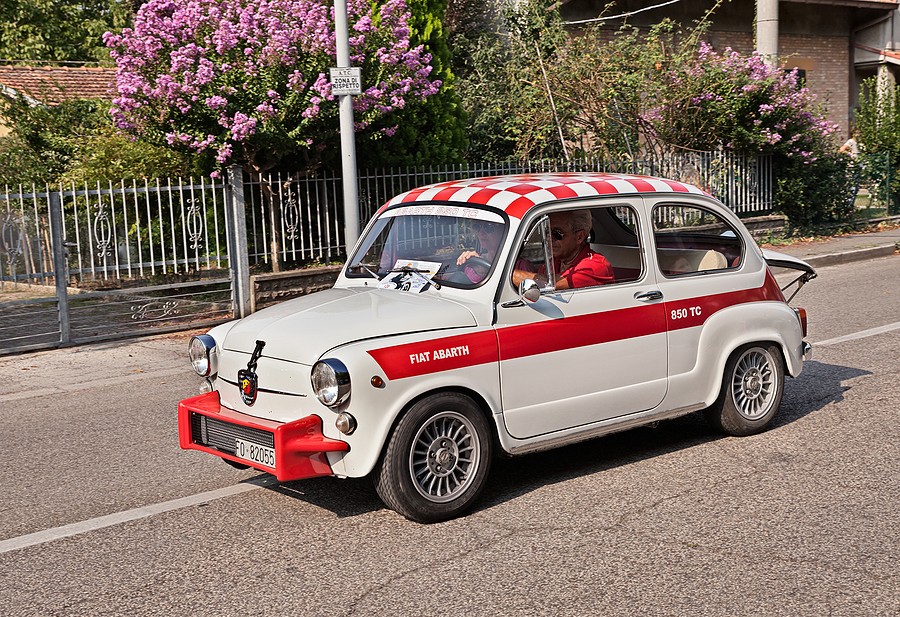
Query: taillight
801	315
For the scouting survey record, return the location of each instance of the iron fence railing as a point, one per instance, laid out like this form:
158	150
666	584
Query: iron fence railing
307	210
141	230
743	183
131	231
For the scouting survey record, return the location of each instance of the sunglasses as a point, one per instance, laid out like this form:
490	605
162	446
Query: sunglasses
558	234
478	227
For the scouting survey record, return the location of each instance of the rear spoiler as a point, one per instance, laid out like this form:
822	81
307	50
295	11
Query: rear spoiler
780	260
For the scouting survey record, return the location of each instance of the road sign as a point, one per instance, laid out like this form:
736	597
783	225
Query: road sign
346	81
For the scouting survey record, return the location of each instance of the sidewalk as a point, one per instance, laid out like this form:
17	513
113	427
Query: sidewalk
843	249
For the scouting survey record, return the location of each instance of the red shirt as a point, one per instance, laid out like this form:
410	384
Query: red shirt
588	269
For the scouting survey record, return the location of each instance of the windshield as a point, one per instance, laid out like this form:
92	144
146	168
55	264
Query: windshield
413	248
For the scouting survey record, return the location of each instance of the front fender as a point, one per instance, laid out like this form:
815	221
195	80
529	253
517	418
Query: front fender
377	408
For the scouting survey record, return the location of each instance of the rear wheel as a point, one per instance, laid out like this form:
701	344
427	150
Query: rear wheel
437	459
751	390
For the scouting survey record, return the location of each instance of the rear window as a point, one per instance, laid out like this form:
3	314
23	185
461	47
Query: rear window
691	240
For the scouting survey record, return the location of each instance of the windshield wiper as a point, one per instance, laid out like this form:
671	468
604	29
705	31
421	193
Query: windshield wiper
421	273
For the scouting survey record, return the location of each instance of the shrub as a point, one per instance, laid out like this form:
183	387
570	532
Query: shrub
878	124
75	141
246	80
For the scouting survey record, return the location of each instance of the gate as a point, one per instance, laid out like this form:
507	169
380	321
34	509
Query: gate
84	264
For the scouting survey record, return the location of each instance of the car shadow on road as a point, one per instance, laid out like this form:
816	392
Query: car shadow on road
818	386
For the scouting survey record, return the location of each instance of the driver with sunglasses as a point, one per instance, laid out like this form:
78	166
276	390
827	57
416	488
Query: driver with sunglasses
575	264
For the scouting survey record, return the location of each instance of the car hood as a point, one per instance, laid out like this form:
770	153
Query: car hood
303	329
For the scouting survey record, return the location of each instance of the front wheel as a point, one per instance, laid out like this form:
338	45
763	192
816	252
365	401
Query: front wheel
751	390
437	459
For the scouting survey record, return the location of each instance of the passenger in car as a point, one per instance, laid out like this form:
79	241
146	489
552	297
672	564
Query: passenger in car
575	264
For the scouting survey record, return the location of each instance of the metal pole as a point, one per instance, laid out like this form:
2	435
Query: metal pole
348	142
236	229
59	267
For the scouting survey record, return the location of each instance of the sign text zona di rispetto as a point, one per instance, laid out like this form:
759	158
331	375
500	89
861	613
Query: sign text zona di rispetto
346	81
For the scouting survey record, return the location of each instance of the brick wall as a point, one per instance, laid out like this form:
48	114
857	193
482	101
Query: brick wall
826	60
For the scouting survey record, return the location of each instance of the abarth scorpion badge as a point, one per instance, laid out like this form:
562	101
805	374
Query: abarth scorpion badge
248	382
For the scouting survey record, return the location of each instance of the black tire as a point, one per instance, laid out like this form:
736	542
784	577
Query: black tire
751	390
437	459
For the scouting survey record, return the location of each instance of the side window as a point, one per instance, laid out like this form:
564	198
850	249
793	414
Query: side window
588	247
690	239
532	256
615	236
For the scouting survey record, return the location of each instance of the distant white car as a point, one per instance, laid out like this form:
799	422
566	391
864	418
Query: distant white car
502	315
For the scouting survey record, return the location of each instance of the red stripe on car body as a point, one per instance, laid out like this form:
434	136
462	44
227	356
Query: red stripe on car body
519	341
440	354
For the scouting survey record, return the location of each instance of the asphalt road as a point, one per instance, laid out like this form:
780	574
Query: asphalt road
102	514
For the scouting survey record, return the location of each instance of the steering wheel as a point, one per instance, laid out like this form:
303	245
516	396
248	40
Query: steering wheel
478	261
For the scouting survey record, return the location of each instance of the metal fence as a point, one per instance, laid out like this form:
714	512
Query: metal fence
86	264
873	183
114	232
745	184
306	211
155	255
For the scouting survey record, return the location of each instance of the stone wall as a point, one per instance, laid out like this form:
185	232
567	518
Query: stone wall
270	289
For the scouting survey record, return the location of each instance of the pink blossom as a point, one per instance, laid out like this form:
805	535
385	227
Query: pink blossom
244	64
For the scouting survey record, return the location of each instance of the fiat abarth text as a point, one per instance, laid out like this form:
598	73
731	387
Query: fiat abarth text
501	316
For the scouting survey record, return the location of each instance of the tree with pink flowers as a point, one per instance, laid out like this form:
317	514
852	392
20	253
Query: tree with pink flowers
246	81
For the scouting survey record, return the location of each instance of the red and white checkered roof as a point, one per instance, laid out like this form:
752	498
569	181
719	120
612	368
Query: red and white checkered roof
518	194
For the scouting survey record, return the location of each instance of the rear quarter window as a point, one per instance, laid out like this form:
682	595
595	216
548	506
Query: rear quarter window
691	240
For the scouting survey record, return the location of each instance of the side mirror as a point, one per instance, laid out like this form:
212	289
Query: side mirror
529	291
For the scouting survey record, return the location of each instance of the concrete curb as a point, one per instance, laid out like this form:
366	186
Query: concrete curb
831	259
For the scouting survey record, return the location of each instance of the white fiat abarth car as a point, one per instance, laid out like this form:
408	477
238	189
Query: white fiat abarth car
502	316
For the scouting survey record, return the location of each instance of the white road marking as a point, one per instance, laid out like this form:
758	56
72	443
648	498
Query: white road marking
858	335
66	531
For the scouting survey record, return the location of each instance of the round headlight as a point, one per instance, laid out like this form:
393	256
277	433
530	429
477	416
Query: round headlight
331	382
204	355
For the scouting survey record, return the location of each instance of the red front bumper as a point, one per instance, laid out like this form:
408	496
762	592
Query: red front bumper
300	446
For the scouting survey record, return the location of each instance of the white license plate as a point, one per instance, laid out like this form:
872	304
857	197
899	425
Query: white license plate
250	451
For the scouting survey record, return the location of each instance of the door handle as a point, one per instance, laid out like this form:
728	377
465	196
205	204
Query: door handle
648	296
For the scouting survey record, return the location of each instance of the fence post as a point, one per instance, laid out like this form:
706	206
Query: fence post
59	266
236	229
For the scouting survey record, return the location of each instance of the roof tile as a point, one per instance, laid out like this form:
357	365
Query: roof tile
52	85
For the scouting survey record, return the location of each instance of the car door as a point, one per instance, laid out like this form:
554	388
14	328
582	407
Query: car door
583	355
701	260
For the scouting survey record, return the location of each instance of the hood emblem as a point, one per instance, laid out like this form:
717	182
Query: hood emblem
248	382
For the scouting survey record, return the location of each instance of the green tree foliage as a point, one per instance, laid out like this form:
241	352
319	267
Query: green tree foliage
76	142
878	126
635	93
431	131
816	195
247	80
502	59
19	164
59	30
